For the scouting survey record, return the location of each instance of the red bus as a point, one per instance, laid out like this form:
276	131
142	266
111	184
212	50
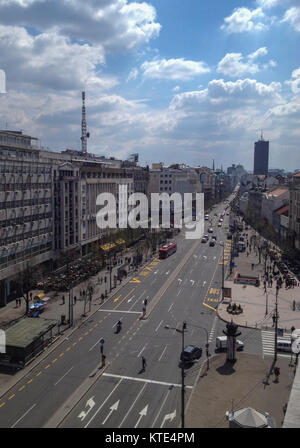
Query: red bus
167	250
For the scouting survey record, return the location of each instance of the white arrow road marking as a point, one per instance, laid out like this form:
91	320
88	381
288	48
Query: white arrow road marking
113	408
129	300
195	256
90	403
179	292
168	417
205	257
129	410
142	414
155	272
192	281
204	282
117	385
215	258
179	280
167	272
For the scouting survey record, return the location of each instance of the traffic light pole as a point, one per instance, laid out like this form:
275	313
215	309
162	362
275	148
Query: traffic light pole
276	326
182	377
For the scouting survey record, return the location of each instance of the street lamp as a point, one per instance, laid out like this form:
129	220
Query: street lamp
222	244
182	368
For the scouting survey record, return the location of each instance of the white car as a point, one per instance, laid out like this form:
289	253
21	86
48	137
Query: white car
220	224
221	343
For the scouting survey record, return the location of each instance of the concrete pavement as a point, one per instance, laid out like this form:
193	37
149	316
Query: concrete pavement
258	306
246	383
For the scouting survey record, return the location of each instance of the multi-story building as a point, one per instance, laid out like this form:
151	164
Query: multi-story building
26	209
48	203
261	157
294	209
272	200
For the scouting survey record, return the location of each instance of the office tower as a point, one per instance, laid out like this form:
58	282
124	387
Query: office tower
261	157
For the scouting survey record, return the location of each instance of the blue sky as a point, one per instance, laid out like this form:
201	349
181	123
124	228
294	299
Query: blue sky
175	81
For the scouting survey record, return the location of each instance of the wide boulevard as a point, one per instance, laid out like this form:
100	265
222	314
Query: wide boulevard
184	287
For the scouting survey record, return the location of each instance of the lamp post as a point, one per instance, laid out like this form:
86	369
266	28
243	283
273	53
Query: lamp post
222	244
207	343
182	368
276	324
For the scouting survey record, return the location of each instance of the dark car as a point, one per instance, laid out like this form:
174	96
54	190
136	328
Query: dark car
212	243
190	354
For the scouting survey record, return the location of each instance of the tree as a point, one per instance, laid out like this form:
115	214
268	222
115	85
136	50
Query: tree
27	281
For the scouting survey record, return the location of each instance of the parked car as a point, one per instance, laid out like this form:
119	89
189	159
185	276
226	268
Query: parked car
212	242
190	354
204	240
210	230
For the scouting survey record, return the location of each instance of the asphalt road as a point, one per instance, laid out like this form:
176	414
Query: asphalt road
184	287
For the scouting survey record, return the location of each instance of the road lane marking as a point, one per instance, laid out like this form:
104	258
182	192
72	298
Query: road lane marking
47	366
179	292
170	306
2	404
30	381
39	373
144	380
12	396
163	403
159	325
92	418
163	352
23	415
21	388
135	280
142	349
63	376
129	410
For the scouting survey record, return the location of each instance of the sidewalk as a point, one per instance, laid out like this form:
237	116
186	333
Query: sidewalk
258	306
229	386
55	308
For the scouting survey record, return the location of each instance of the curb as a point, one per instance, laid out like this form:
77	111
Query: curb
67	407
57	343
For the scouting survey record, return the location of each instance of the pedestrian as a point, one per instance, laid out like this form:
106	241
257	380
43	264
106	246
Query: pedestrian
17	303
63	300
75	298
143	363
277	373
145	302
103	359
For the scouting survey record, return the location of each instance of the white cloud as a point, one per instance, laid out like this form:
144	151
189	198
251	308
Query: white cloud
173	69
116	25
234	64
294	83
50	61
132	75
244	19
269	3
292	16
260	52
176	89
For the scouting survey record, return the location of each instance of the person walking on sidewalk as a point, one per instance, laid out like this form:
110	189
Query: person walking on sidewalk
63	300
75	298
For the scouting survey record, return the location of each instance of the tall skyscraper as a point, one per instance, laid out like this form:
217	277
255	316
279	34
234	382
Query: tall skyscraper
261	156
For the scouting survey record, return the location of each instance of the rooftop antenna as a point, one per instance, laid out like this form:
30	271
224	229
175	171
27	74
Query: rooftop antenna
84	135
261	135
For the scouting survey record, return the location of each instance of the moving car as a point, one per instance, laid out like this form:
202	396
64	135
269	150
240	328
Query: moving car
210	230
212	242
221	343
190	354
219	224
204	240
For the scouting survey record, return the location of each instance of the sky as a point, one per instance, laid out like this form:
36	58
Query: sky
176	81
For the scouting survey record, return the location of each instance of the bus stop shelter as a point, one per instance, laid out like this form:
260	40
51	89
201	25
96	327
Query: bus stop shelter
25	340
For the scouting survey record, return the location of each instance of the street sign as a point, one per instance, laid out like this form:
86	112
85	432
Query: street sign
101	341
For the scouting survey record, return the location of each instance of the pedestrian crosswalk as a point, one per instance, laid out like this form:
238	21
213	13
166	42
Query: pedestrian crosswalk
268	343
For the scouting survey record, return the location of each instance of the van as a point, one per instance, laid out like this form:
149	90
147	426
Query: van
284	345
221	343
